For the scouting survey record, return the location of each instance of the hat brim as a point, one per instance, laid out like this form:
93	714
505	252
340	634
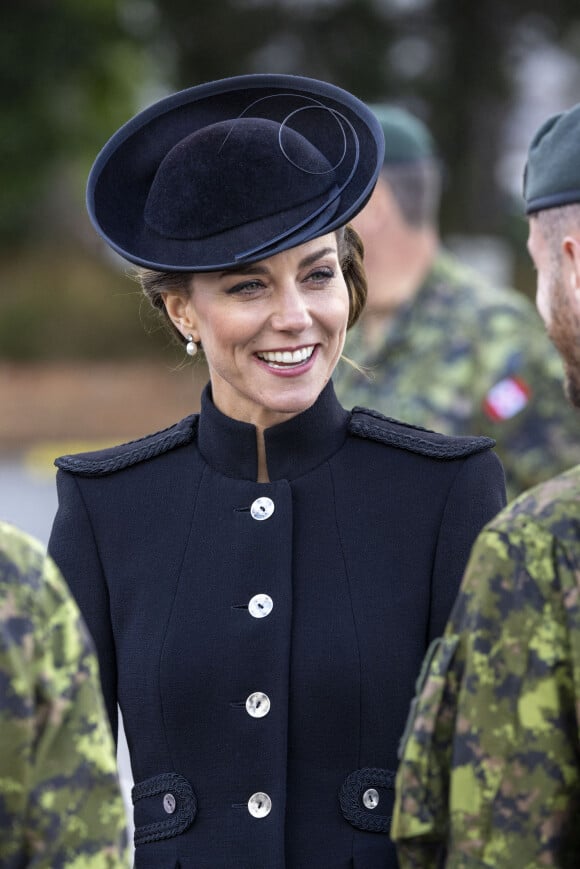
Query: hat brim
123	173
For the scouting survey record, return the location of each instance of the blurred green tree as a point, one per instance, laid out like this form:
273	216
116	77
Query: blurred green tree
69	72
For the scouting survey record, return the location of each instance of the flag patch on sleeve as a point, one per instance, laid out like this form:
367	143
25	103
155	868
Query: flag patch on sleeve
506	398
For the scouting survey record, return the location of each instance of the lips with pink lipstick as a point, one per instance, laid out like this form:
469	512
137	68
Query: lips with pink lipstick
286	359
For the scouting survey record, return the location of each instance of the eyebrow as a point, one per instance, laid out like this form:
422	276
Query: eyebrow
256	269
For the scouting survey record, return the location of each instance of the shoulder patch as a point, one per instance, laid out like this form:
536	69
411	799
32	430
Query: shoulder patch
373	425
107	461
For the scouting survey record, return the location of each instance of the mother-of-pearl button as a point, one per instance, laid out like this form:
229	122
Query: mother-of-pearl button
371	798
259	805
260	606
262	508
169	803
258	704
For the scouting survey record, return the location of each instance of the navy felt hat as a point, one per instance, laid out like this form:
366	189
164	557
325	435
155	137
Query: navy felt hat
552	172
233	171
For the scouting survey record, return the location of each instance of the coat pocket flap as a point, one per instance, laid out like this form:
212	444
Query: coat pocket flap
367	797
165	806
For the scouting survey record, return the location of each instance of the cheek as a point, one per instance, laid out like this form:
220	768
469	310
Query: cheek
345	309
226	341
215	343
336	316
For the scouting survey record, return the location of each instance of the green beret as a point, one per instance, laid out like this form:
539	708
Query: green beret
552	172
407	139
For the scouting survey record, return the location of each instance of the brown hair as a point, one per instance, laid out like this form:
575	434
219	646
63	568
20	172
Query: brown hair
350	254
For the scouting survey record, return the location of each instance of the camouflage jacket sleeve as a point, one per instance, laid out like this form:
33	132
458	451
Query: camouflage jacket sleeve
60	803
489	770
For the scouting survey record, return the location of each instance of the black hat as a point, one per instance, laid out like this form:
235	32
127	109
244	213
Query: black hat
552	172
233	171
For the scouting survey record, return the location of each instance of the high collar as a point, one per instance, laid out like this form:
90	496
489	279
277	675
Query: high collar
292	448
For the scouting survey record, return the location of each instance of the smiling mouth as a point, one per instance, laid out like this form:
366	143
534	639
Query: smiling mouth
286	358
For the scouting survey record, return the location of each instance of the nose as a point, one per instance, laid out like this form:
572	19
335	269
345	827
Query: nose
291	312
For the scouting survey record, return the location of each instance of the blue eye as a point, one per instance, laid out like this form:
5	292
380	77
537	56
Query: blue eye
247	287
321	275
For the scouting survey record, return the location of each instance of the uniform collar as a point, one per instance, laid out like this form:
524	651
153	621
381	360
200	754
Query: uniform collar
292	448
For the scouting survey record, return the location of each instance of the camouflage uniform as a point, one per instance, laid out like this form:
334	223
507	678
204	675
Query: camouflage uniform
466	358
491	761
60	803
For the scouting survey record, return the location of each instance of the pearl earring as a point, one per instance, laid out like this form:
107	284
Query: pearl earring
191	346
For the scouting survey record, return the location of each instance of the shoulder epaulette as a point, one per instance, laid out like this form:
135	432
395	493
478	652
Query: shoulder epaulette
373	425
107	461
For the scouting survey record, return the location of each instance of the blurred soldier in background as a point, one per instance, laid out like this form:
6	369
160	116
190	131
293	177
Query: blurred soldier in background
60	803
443	348
490	769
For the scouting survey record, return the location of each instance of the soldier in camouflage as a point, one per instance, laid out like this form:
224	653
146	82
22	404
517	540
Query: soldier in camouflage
60	803
490	759
439	346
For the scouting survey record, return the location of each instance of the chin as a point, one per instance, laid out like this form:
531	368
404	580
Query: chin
293	407
293	404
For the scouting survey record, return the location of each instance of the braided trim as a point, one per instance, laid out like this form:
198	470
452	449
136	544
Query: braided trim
350	798
403	436
171	825
117	458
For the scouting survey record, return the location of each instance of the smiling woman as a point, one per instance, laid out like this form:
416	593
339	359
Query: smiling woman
272	332
262	579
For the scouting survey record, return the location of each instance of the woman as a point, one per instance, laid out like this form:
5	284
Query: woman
262	579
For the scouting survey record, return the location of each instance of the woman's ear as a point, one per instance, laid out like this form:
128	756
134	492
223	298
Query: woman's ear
180	312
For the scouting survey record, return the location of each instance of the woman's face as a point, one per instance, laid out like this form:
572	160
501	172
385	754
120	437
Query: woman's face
272	332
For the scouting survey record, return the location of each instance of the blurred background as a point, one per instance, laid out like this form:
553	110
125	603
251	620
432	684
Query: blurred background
83	362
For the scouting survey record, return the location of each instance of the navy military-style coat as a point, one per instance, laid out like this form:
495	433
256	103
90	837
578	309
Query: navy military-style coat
263	639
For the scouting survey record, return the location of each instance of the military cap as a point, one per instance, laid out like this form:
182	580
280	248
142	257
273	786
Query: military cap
407	139
552	171
233	171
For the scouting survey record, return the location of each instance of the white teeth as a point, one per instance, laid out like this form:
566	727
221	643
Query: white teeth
287	357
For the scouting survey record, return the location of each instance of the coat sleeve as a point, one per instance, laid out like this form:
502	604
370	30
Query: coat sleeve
489	768
73	547
476	496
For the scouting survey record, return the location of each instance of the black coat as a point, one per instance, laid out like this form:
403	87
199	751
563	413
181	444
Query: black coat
166	549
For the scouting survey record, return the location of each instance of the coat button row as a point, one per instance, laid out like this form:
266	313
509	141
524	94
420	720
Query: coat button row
262	508
260	606
259	805
258	704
